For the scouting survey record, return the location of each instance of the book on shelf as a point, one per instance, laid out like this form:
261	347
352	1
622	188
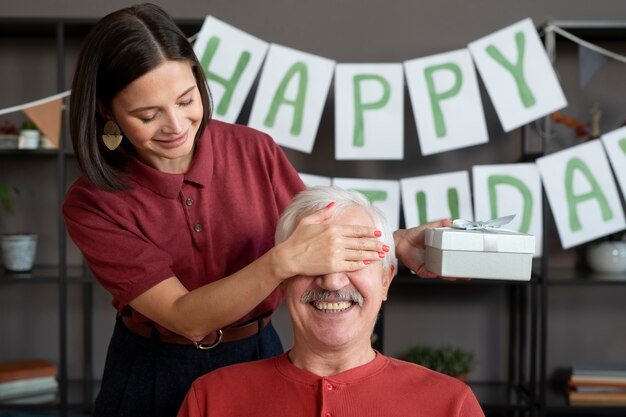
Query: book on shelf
609	381
24	369
597	384
28	386
612	370
596	387
28	382
597	398
32	399
598	375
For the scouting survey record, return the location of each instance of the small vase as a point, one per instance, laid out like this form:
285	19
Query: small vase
18	251
608	258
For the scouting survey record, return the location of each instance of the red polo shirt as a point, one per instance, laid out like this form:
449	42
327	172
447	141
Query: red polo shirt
384	387
199	226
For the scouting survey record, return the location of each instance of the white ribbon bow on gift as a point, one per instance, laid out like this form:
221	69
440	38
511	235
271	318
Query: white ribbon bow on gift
489	224
490	228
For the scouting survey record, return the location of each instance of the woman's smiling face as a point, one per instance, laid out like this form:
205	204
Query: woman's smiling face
160	113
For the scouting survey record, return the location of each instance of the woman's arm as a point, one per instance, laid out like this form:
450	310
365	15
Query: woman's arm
314	248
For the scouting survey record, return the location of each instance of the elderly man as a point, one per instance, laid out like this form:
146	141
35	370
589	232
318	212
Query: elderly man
332	370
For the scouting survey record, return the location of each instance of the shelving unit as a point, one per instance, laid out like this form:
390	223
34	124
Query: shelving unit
74	395
514	395
552	395
526	390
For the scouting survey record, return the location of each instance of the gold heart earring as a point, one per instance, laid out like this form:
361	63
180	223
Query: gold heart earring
112	135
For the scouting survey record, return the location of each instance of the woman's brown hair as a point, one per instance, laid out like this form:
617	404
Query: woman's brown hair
120	48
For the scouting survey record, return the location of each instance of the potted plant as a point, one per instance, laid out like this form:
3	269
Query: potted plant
448	360
18	248
29	136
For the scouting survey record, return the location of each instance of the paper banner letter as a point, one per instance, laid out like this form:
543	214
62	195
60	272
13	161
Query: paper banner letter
369	111
582	193
435	197
384	194
313	180
291	95
589	63
505	189
231	60
517	74
615	145
446	102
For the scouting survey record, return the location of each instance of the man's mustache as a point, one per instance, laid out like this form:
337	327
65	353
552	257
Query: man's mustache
310	296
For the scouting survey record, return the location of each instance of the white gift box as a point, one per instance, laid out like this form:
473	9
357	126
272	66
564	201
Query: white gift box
480	253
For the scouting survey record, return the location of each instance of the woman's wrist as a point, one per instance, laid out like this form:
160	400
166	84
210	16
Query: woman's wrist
397	236
278	263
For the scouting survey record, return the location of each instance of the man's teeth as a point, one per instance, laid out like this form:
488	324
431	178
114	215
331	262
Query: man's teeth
332	307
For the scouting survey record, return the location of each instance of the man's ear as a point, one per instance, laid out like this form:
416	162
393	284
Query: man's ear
388	274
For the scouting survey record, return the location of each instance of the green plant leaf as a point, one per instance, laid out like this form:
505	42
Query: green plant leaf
6	200
447	360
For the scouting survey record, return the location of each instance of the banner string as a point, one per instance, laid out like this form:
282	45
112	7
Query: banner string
34	103
588	45
64	94
192	38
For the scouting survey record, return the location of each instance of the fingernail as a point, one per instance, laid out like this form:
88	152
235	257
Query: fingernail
332	203
381	255
378	233
386	248
366	262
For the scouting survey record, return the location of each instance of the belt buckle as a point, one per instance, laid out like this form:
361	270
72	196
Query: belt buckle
202	346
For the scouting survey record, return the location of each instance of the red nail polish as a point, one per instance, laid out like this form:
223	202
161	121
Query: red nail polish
386	248
381	255
378	233
332	203
366	262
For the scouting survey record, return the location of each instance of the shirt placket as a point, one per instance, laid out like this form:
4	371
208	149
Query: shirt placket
329	398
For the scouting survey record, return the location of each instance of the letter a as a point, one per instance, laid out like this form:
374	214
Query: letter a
573	199
299	68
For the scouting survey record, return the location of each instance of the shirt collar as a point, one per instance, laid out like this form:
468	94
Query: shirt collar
353	375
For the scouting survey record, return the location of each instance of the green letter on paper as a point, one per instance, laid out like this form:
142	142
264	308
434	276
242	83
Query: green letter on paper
300	69
360	107
493	181
622	145
374	195
229	84
576	164
436	98
453	205
516	70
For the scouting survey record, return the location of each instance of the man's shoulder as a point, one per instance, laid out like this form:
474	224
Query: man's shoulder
239	371
422	374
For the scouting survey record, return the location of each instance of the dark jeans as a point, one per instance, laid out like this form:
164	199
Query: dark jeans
144	377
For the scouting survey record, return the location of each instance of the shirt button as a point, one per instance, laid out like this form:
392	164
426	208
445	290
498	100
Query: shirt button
328	414
197	227
189	201
329	387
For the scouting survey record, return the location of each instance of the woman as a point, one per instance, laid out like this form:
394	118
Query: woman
175	215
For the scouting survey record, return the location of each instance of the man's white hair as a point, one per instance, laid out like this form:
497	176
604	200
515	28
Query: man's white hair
317	198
